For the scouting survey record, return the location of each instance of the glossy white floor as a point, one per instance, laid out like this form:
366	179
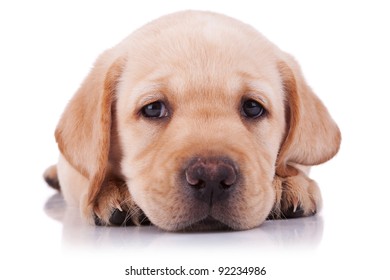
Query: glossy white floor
343	50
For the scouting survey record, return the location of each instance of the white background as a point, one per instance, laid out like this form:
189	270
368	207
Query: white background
47	48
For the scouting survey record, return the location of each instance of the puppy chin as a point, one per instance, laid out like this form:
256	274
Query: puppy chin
206	224
192	222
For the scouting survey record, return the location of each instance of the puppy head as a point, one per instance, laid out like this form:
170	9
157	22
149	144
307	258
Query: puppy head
207	111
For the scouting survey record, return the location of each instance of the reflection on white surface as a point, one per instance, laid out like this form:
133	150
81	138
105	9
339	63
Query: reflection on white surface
302	233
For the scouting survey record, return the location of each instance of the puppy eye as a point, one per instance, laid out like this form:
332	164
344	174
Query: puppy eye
252	109
155	110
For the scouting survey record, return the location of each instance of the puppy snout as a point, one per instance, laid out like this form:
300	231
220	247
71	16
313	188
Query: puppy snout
211	179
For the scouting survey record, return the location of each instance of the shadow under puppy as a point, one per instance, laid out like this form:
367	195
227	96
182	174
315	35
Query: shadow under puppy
193	120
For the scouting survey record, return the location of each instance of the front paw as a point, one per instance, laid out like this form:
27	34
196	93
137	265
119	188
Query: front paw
114	206
296	196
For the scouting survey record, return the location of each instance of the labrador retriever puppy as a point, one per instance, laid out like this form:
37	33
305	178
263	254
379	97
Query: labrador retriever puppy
194	120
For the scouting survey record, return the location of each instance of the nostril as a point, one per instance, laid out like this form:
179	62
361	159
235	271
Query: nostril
228	176
193	177
199	185
225	186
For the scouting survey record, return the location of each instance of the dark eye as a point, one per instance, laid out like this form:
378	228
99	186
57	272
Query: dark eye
252	109
155	110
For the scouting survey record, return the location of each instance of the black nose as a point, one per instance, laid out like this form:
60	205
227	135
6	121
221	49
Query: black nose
211	179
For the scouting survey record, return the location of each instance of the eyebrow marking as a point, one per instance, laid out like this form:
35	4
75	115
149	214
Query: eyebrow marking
258	90
148	89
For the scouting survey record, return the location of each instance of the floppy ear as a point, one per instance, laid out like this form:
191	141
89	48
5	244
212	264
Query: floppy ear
83	132
312	136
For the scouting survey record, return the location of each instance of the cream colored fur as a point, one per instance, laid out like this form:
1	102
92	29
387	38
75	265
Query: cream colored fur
202	66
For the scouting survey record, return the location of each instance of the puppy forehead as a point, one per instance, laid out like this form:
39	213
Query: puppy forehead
213	59
205	74
178	88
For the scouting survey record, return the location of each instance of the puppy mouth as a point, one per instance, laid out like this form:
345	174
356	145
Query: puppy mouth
207	224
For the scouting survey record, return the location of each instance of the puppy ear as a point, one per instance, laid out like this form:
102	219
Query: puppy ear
83	132
312	137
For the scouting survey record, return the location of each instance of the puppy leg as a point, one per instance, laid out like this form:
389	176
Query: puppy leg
114	205
296	196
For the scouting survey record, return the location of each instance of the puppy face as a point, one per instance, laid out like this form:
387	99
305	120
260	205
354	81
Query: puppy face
198	113
201	105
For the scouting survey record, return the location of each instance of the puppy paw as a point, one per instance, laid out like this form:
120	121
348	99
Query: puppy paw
296	196
114	206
